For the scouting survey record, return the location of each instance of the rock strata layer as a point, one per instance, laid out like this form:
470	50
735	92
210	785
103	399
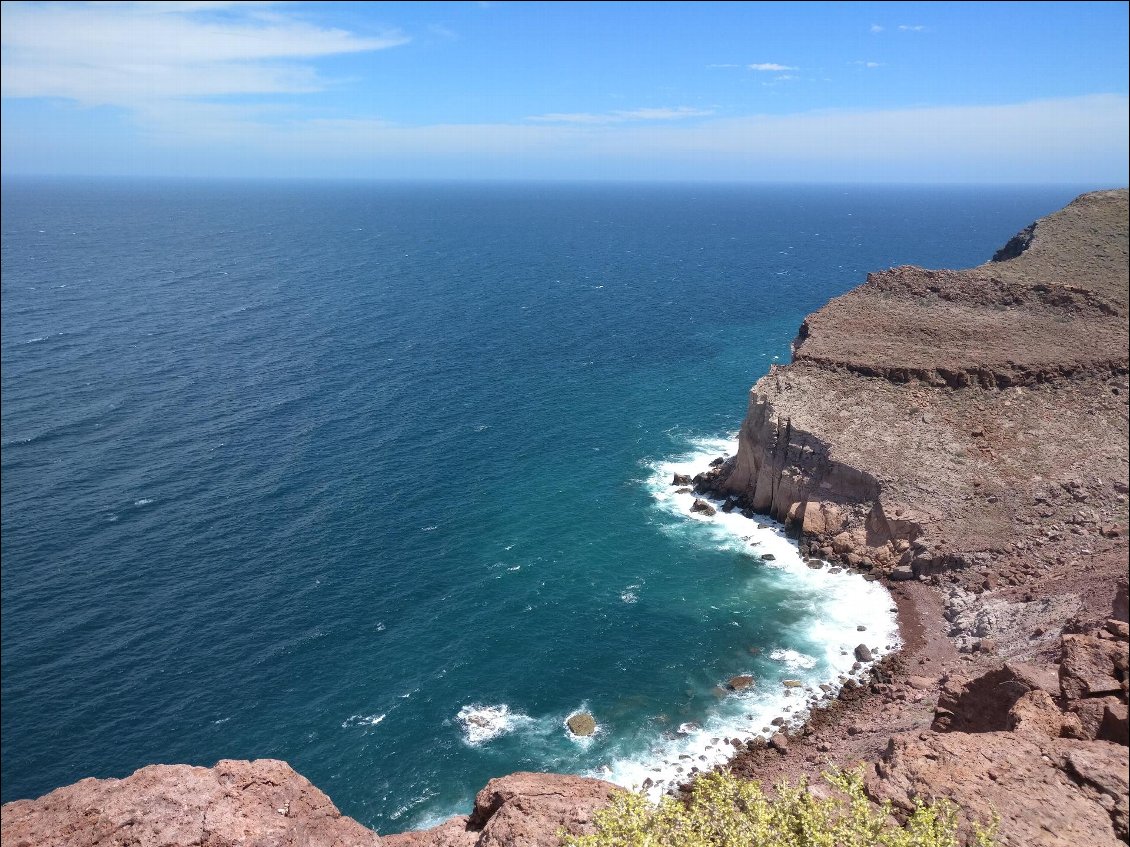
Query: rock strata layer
957	420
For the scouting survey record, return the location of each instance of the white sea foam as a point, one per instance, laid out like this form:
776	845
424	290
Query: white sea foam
483	723
362	720
145	501
584	741
793	660
837	604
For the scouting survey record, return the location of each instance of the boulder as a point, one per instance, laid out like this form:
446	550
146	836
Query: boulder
234	804
1036	713
703	507
1093	717
681	479
979	704
779	743
863	653
1048	792
1115	725
1087	666
581	724
740	682
518	810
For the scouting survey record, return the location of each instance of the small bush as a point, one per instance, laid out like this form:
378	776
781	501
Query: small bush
725	811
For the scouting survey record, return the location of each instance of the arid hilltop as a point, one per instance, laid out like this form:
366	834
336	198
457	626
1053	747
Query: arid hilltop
971	421
961	435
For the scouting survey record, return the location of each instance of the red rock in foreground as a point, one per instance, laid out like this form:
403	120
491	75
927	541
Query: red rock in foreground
519	810
235	804
266	803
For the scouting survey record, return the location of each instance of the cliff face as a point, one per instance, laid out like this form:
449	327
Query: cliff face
930	418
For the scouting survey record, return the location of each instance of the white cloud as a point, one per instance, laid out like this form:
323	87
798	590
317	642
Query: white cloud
622	115
911	28
125	54
770	66
876	28
869	64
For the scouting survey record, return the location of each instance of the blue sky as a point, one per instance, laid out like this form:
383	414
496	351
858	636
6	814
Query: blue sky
814	92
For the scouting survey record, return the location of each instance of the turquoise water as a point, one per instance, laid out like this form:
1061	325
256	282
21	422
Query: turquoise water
373	478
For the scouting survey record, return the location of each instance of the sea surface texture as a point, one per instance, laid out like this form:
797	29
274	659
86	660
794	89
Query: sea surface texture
375	478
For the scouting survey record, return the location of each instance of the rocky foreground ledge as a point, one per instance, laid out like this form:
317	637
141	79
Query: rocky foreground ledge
265	803
961	435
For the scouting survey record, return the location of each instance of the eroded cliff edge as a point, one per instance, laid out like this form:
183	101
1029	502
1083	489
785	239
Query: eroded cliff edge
971	421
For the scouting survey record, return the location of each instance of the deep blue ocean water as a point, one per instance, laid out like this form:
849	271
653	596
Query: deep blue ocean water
372	478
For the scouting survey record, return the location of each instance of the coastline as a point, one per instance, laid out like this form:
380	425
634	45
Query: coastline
754	535
994	514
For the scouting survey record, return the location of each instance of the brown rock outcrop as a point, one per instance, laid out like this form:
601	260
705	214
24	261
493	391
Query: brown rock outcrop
264	803
1051	792
927	416
971	428
519	810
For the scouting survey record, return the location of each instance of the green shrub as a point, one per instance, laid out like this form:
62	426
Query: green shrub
724	811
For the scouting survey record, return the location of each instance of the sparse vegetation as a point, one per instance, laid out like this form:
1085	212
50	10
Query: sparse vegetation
725	811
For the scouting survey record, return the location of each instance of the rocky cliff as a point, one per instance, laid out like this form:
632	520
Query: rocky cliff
963	435
940	420
265	803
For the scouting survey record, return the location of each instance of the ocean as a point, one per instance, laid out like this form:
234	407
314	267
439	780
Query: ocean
375	477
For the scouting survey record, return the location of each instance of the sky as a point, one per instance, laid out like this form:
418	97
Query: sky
733	92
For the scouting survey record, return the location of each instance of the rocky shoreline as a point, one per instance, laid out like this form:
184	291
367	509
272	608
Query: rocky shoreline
962	436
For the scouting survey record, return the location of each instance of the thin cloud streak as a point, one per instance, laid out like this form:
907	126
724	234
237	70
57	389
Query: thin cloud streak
620	116
126	54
